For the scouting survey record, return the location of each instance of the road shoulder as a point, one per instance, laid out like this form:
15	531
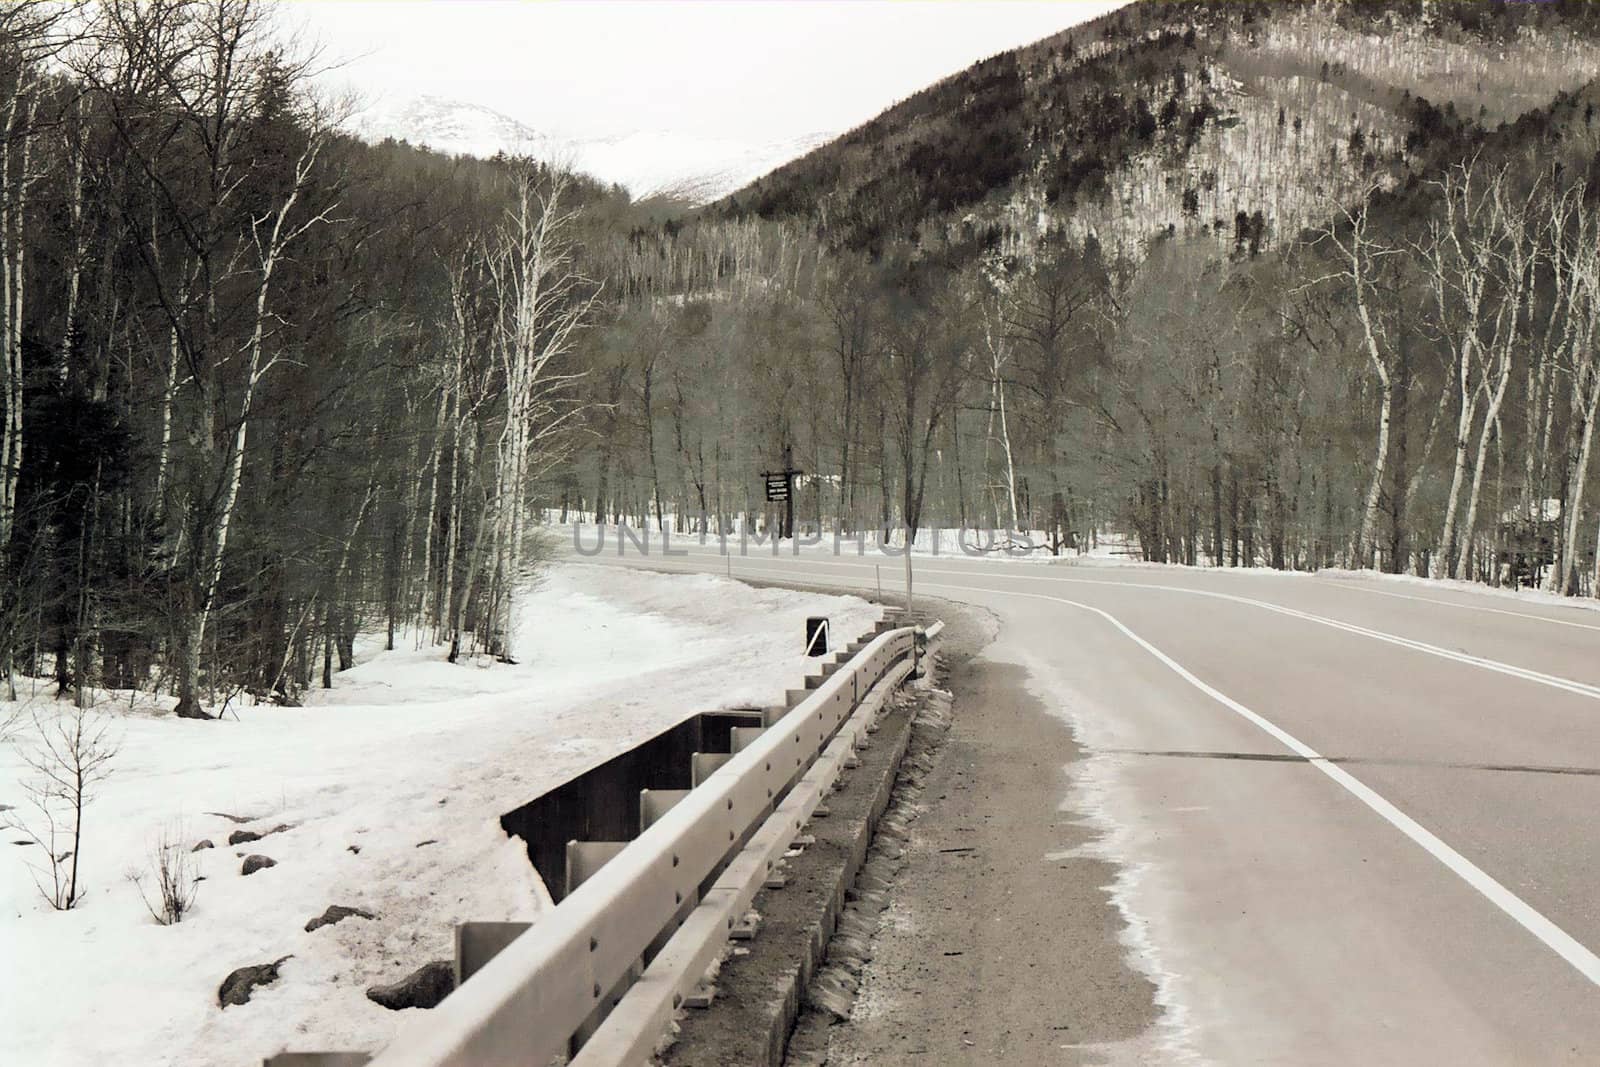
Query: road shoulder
1001	942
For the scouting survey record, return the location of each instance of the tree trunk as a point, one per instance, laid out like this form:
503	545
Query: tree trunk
1574	516
1447	539
1490	420
1398	496
1380	462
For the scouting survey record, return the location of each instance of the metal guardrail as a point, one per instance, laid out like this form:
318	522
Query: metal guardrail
677	976
561	976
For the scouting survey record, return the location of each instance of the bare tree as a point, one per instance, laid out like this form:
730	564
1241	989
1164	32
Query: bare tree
70	757
1576	240
219	74
1362	257
1477	261
996	345
543	301
31	33
849	306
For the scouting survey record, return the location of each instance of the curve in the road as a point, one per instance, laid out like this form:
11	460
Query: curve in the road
1569	685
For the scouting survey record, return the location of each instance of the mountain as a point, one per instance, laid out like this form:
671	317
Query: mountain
1244	120
646	163
452	127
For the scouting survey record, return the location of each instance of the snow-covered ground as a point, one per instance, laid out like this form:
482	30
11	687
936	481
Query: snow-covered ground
391	786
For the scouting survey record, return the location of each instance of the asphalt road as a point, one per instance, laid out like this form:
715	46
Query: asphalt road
1353	820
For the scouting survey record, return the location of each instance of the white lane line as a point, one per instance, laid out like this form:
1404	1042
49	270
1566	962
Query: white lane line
1554	681
1347	584
1569	685
1338	584
1583	689
1520	911
1334	583
1558	940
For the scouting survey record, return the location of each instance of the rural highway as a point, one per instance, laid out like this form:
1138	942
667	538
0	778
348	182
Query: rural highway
1354	820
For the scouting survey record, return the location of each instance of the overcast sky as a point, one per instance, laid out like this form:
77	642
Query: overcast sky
756	69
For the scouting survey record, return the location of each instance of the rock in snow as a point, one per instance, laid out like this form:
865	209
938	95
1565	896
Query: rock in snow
423	988
336	913
252	864
237	987
239	837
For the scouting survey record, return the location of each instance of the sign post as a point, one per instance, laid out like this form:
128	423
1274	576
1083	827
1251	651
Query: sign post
908	574
780	489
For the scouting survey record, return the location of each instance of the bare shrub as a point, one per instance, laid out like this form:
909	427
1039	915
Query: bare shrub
175	876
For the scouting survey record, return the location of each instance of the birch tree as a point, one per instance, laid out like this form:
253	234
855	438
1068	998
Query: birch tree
1504	249
28	35
1477	313
1576	248
1362	260
996	347
544	300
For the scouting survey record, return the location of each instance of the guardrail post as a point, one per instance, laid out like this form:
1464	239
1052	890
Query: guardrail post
654	803
479	942
745	736
586	857
703	764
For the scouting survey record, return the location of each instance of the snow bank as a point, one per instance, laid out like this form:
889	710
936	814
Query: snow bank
391	786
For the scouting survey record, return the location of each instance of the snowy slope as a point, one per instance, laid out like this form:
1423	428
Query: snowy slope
645	162
391	788
452	127
697	169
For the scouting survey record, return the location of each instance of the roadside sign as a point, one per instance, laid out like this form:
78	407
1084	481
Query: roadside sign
780	490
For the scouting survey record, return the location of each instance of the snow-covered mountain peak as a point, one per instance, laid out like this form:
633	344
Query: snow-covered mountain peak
450	126
646	162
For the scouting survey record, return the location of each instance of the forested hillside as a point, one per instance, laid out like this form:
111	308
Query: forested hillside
1284	284
1280	284
1239	121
